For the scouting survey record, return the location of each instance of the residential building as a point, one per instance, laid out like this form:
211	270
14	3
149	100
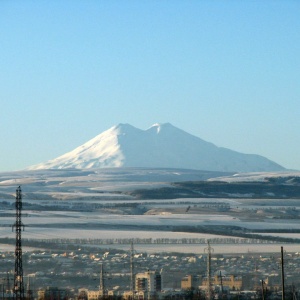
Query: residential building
149	281
230	282
189	282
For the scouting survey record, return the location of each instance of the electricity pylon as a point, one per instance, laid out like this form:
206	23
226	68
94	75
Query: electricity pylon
18	290
209	250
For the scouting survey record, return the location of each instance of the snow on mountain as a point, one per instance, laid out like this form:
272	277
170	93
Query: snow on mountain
160	146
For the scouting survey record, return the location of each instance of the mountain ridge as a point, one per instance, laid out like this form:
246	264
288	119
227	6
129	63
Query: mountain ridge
161	145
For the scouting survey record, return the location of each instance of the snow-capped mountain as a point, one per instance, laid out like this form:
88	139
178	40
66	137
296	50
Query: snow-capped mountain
160	146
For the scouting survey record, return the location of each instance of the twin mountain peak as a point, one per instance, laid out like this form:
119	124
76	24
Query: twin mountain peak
160	146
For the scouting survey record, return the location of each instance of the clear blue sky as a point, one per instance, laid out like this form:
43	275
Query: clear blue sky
225	71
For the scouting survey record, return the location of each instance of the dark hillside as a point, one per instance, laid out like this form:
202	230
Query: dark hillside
269	189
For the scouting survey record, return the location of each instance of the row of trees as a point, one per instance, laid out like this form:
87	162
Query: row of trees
223	240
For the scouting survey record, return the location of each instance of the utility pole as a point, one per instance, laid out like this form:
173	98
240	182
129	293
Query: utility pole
209	250
132	270
294	292
256	281
7	283
18	290
101	286
262	290
282	274
221	280
29	290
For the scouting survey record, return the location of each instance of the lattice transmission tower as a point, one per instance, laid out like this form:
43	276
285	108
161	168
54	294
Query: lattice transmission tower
209	293
18	290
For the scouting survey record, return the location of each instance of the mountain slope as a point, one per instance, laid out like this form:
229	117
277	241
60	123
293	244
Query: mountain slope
163	146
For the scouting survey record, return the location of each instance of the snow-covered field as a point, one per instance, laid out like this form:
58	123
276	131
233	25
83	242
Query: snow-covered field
52	233
94	180
66	188
10	248
197	249
256	176
284	235
34	219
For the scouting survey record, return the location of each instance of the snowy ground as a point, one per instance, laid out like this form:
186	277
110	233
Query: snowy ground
87	187
68	233
10	248
256	176
51	233
67	219
189	248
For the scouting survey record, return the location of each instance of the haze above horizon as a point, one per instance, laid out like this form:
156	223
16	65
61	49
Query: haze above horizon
226	72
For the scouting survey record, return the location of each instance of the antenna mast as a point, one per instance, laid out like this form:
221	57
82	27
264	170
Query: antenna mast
18	290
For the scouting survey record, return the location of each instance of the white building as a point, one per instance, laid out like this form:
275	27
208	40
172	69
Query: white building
149	281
